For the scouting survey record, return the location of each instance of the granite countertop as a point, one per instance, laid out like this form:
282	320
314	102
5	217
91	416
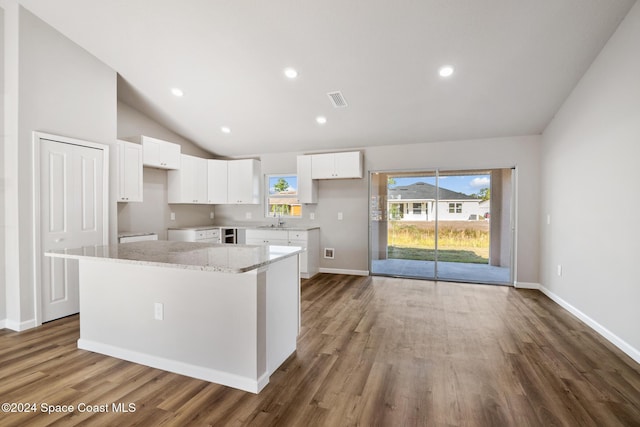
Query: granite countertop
186	255
269	227
134	233
195	227
250	227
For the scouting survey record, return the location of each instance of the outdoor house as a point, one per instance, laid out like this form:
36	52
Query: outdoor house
417	202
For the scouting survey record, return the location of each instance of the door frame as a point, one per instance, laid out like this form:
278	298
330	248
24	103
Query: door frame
37	137
513	219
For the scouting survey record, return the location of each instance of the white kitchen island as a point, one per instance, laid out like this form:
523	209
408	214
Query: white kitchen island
229	314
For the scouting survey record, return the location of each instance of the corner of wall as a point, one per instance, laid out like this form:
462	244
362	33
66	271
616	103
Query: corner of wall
627	348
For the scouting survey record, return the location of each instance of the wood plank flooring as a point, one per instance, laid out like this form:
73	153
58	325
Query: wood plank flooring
373	351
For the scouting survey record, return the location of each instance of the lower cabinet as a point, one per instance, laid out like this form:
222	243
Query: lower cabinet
309	240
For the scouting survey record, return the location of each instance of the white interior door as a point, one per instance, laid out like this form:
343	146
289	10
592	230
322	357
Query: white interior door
71	202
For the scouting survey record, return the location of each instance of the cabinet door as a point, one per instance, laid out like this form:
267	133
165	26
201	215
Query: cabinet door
151	150
180	183
189	183
217	181
323	166
267	237
170	155
160	154
243	181
348	165
179	189
129	172
303	255
307	187
200	180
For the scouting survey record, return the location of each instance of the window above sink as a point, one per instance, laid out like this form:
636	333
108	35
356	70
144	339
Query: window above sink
282	196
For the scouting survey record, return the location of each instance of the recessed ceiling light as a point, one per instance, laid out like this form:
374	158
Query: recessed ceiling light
177	92
291	73
445	71
225	129
321	120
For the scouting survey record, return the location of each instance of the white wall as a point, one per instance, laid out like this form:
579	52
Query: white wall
590	179
62	90
153	214
3	297
349	236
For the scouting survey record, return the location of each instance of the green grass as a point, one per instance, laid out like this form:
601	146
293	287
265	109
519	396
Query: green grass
450	255
458	241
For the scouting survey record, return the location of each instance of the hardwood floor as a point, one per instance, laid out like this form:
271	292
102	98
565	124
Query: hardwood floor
372	351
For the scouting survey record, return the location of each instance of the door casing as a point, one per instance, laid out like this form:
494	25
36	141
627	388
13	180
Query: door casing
37	238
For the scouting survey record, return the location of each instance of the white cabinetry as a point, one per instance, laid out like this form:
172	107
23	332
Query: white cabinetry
189	183
309	240
205	181
129	171
307	187
337	165
217	178
243	184
267	237
160	154
202	235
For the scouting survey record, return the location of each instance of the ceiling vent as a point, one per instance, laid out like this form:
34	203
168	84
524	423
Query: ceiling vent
337	99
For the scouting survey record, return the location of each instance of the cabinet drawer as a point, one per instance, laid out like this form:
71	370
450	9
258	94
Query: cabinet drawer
298	235
268	234
212	233
266	241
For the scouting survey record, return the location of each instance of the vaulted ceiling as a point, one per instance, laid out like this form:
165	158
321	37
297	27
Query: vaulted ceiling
515	61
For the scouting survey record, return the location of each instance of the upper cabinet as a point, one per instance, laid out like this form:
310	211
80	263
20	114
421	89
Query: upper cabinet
189	183
209	181
159	154
337	165
307	187
217	178
129	167
243	185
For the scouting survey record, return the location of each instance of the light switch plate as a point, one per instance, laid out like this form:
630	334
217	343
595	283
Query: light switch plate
158	311
173	216
312	215
247	215
340	216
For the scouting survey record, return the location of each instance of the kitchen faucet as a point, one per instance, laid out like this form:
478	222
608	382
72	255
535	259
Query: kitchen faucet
279	220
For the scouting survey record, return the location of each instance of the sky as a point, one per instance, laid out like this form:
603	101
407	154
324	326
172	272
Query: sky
466	184
292	180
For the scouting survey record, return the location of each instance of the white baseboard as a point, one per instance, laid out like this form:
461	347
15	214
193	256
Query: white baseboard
199	372
19	326
344	271
526	285
632	352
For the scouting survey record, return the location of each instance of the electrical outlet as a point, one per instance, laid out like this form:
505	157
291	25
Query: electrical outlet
247	215
340	216
211	215
158	311
312	215
548	219
173	216
559	270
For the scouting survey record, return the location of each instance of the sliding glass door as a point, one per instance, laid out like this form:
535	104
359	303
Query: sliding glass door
442	225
